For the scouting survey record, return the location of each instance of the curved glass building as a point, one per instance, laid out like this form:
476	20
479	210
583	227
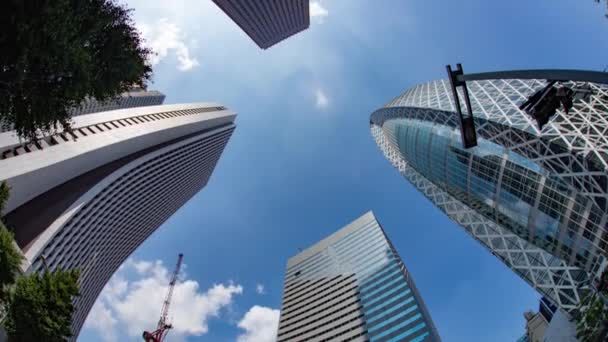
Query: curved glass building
537	200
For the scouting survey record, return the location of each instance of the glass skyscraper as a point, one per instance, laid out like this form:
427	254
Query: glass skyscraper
352	286
535	199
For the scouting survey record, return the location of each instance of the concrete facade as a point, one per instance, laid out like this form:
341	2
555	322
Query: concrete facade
268	22
352	286
87	199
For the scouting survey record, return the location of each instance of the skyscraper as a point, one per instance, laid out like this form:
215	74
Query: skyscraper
268	22
87	199
536	200
136	97
352	286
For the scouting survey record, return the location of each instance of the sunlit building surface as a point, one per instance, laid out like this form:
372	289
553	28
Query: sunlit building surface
536	200
352	286
87	199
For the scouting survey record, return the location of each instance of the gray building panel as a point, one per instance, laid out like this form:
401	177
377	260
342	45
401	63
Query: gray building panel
268	22
350	286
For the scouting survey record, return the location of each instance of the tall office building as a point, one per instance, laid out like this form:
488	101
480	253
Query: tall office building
267	22
135	97
87	199
352	286
537	200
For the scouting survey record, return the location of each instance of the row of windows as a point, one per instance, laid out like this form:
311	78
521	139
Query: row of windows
302	289
170	191
341	291
287	308
67	234
518	184
302	323
320	323
81	132
274	23
321	258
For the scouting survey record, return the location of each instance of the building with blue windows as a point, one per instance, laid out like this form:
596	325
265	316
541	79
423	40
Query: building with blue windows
536	199
353	286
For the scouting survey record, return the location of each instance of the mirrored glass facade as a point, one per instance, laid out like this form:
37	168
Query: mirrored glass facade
537	200
352	286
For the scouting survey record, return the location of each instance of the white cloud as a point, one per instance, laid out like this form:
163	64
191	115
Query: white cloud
166	37
316	10
260	325
130	307
259	289
101	319
321	99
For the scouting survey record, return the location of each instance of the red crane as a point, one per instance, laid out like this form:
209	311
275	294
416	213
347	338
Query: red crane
163	326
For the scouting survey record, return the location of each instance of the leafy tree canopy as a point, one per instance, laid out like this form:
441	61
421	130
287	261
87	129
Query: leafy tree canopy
10	256
56	53
10	259
41	307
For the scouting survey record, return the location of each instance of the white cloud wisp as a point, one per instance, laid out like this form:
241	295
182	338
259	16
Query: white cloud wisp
321	99
316	10
165	37
260	324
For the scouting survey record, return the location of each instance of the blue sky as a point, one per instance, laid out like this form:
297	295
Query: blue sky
302	162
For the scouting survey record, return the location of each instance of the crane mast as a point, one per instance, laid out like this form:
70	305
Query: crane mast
163	327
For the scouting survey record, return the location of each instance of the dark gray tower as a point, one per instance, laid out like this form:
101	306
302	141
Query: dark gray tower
267	22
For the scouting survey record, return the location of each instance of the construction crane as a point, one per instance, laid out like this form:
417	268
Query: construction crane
163	326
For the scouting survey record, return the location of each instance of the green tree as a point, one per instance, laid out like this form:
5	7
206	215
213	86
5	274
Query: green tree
10	256
10	259
592	321
41	307
57	53
4	193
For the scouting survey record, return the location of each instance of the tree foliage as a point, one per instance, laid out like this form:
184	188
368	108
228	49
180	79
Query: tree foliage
41	307
57	53
4	193
10	256
592	322
10	259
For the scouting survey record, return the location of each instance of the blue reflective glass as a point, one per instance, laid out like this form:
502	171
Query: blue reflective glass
394	318
421	337
385	294
399	326
384	287
378	281
407	332
369	309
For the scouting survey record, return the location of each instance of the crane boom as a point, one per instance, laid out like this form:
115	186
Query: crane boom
163	327
165	311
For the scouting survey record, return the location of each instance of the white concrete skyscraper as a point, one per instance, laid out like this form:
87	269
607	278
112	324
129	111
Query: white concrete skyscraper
535	199
353	286
87	199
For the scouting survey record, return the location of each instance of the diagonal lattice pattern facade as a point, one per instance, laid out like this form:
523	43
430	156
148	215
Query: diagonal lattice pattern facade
558	176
